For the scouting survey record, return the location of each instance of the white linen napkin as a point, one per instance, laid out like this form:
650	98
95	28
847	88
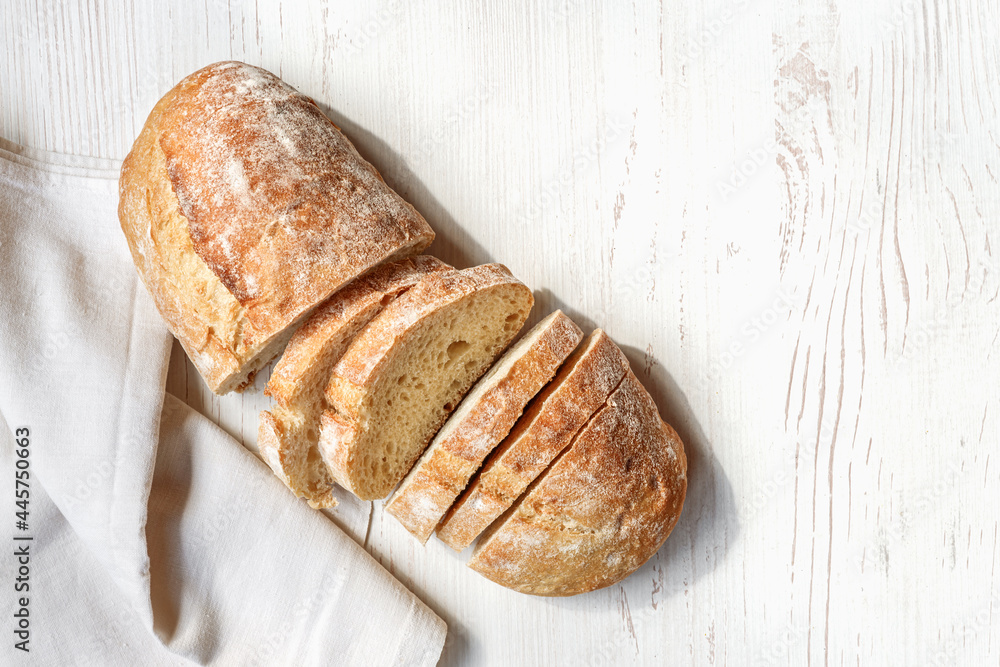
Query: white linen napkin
154	538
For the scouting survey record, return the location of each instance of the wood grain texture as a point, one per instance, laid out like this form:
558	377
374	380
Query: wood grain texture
783	211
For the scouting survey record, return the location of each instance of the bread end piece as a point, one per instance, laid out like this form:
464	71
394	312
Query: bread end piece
602	509
230	204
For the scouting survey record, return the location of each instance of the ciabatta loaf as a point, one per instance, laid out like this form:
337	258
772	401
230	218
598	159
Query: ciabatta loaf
405	373
600	511
485	416
288	434
546	428
244	208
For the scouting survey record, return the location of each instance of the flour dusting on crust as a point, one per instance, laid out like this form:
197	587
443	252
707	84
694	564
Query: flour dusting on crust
244	207
279	204
603	508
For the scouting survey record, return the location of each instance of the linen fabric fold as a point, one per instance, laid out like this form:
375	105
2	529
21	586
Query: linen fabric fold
155	537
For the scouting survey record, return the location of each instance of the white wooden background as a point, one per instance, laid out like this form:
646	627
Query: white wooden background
787	212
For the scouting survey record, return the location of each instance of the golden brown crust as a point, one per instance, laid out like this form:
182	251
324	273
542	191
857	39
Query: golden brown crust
279	203
546	428
198	309
600	511
484	418
244	207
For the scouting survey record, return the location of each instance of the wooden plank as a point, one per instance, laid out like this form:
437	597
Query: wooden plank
785	214
888	153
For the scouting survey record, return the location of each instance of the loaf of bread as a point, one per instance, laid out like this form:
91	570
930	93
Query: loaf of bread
248	214
556	415
288	434
407	371
484	417
600	511
244	208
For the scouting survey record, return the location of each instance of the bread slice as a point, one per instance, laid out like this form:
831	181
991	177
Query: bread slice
485	416
406	372
543	432
288	434
244	208
600	511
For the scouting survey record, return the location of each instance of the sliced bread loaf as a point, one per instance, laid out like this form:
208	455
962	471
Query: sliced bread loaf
485	416
546	428
405	373
288	434
600	511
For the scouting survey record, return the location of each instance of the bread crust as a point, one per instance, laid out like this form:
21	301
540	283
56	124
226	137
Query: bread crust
300	376
245	207
600	511
546	428
480	423
198	309
364	364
